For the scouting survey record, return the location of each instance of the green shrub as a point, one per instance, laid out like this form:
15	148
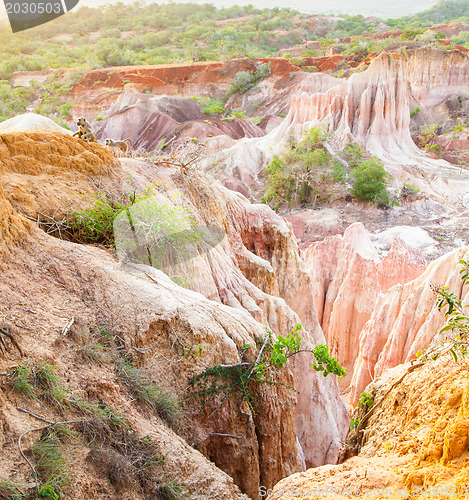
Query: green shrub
365	399
370	181
239	380
414	112
243	81
96	223
239	114
212	107
409	189
310	69
457	322
304	172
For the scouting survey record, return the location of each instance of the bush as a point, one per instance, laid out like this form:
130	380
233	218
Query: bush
370	181
243	81
304	172
240	380
211	107
96	224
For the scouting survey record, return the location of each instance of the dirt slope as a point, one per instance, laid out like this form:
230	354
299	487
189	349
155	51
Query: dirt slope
257	273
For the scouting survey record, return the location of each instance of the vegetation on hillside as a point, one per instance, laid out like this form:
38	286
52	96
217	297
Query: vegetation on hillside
304	172
118	34
445	11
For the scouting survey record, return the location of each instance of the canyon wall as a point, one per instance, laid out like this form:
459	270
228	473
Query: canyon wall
255	278
405	320
348	275
414	442
436	75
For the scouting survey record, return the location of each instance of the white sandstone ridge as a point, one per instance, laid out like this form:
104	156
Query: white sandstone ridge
32	121
405	320
348	276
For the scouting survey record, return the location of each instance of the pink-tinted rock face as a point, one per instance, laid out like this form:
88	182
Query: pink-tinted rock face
405	320
348	275
151	122
254	279
435	75
371	106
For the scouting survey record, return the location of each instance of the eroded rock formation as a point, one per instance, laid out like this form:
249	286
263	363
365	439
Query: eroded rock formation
405	320
415	440
436	75
257	270
153	122
348	275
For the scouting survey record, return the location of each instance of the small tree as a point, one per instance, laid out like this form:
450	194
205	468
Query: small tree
370	181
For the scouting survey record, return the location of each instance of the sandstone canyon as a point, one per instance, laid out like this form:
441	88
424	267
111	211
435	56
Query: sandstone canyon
357	276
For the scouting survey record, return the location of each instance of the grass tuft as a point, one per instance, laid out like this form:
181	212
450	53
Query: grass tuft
165	404
10	490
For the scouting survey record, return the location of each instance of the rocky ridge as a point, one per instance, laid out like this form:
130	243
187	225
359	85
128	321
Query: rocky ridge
249	271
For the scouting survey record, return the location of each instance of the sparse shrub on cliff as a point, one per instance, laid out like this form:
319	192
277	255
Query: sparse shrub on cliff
353	154
240	380
50	465
457	322
365	399
96	223
370	181
243	80
304	172
414	112
408	190
162	402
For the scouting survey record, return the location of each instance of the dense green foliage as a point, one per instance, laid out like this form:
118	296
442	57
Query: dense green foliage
118	34
370	180
445	11
304	172
122	34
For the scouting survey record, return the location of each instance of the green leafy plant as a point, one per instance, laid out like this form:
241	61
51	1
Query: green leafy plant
326	363
370	181
96	223
211	107
240	380
354	423
414	112
239	114
457	322
304	172
365	399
